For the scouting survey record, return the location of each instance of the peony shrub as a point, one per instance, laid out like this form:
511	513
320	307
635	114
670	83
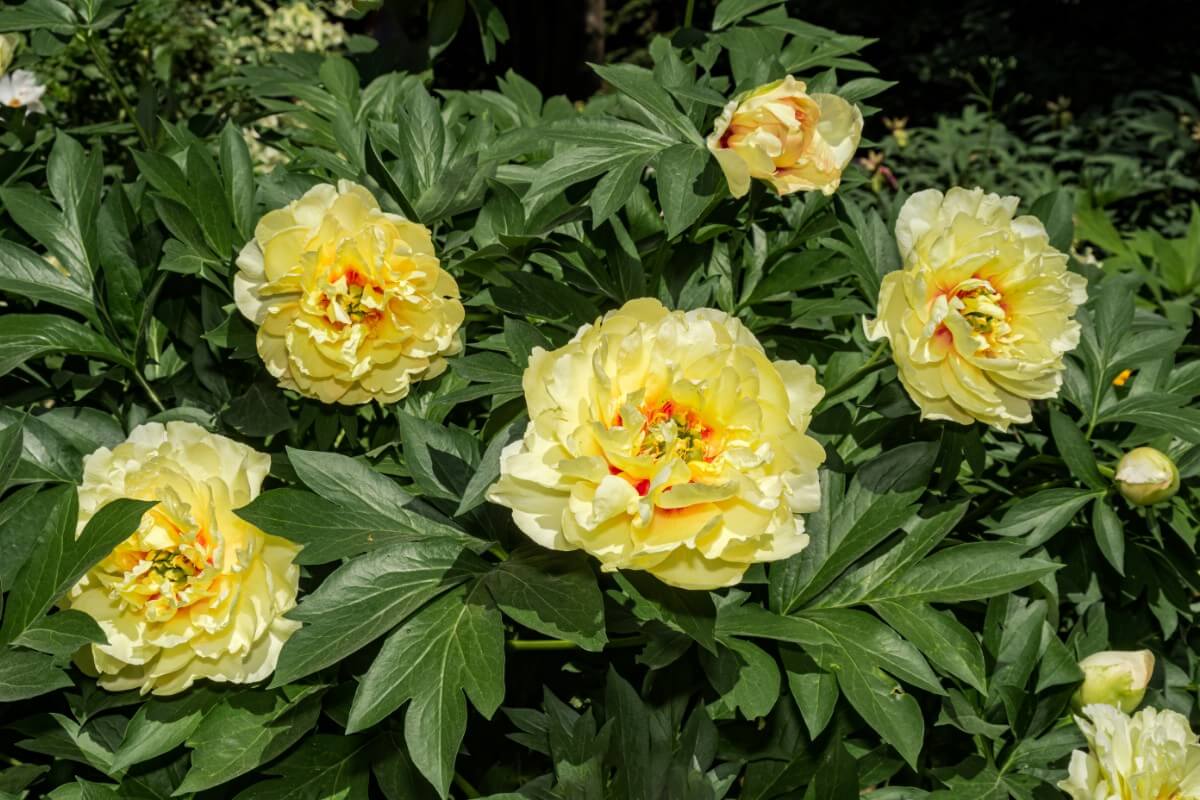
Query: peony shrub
482	444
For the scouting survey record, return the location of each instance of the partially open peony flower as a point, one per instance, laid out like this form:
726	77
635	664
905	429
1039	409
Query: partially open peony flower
981	313
782	134
665	441
1152	755
196	592
1116	678
351	303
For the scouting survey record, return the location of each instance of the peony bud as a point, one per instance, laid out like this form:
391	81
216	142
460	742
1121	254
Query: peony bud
1146	476
1116	678
8	48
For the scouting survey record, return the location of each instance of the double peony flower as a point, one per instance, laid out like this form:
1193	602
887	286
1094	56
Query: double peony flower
981	314
196	591
1153	755
665	441
350	301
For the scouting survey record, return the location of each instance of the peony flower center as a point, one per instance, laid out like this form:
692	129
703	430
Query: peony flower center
673	431
167	566
346	293
978	302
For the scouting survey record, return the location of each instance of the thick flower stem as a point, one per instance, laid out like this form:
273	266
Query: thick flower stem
868	366
563	644
465	786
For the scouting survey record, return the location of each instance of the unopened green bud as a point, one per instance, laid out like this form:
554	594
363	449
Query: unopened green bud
1146	476
1115	678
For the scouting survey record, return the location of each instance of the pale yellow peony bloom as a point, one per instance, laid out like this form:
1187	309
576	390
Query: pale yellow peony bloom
1152	755
781	134
196	591
351	303
665	441
1116	678
981	313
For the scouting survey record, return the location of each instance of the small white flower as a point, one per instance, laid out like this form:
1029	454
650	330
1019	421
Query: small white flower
1152	755
22	90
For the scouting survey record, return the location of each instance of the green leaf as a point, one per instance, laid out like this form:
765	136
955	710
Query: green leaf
60	560
61	634
76	180
244	731
552	593
815	692
690	613
454	645
612	192
238	173
367	597
26	336
1168	413
633	743
347	482
46	454
49	226
1056	210
261	411
862	583
1075	450
12	442
688	178
22	516
940	638
161	724
330	532
855	648
27	274
322	767
1110	533
879	500
33	14
25	674
966	572
1043	514
208	201
488	471
730	11
639	85
164	174
746	678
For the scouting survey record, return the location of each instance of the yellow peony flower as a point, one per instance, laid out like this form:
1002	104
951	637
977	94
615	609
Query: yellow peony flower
665	441
780	133
196	591
350	300
1152	755
980	316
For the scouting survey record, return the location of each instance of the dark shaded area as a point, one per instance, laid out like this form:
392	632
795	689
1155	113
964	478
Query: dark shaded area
1087	50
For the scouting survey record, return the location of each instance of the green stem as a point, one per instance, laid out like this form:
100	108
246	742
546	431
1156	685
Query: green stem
465	786
853	378
102	64
498	551
688	12
564	644
154	398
